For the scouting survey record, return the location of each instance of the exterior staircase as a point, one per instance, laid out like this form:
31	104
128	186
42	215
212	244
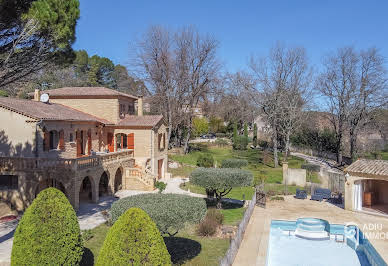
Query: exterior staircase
138	179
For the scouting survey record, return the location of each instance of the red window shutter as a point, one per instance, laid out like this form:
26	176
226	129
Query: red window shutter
78	139
131	141
62	140
89	141
46	140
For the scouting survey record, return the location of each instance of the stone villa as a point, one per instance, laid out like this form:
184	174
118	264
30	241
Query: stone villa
86	141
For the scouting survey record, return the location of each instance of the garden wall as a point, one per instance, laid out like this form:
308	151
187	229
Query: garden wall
231	253
292	176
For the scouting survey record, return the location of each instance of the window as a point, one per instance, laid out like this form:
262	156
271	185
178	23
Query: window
8	182
71	137
54	139
131	109
161	141
121	141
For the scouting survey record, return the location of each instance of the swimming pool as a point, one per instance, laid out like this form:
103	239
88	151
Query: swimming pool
302	243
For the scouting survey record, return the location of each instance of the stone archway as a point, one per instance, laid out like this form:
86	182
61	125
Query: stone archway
118	180
49	182
103	186
86	190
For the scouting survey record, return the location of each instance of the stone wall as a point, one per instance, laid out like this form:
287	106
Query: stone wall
103	108
293	176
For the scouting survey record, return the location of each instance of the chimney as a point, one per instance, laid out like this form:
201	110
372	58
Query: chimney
37	95
140	105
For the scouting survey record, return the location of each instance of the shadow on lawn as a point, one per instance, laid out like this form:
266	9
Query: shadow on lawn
182	249
87	258
226	203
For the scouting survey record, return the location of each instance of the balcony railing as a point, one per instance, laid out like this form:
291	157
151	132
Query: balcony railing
26	163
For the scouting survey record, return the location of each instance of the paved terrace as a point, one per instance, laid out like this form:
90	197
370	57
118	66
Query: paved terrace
253	249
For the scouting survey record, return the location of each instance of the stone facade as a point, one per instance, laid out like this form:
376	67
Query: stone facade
82	160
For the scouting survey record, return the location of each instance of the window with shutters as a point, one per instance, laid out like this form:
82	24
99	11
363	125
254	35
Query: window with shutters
54	139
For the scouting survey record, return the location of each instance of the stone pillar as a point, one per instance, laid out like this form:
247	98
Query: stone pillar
95	189
37	95
348	197
73	195
140	105
285	172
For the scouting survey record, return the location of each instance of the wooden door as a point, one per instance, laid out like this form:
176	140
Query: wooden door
78	140
160	167
111	144
89	141
131	141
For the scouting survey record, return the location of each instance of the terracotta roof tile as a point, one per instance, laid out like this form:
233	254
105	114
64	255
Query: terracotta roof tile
369	167
85	91
146	120
50	111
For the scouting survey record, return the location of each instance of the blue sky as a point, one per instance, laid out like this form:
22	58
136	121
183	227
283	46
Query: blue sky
242	27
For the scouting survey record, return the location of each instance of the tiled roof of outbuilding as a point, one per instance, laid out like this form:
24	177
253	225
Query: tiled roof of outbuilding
368	167
47	111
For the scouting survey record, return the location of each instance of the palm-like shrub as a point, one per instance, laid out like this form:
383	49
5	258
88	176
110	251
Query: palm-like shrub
234	163
170	212
134	240
221	180
48	233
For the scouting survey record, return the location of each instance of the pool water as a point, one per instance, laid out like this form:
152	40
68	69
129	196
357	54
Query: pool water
284	248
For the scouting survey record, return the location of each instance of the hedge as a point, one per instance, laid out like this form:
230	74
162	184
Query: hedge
48	233
170	212
240	143
234	163
205	160
134	240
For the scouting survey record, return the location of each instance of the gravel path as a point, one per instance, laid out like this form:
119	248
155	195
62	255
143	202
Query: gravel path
173	187
325	163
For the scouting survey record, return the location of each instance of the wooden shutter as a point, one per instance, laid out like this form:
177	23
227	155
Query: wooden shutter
131	141
111	144
62	140
89	141
164	140
78	140
46	140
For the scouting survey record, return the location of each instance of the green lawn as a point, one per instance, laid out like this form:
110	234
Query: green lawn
233	216
186	248
255	159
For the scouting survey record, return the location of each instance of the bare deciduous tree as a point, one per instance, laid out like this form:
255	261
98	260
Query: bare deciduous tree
283	80
354	85
181	68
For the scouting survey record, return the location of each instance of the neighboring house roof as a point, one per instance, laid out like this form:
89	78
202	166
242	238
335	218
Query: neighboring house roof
141	121
84	91
365	167
47	111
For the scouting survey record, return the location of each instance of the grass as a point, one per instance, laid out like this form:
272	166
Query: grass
182	171
236	193
187	248
255	158
233	216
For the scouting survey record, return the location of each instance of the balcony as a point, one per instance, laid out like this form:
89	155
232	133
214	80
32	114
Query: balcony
35	164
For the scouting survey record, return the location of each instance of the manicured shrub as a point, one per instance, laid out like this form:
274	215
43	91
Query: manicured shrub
234	163
216	215
221	142
254	135
205	160
161	186
221	180
48	233
240	143
207	227
134	240
170	212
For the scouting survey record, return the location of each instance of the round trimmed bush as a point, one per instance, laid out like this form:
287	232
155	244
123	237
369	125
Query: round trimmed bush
205	160
48	233
234	163
170	212
134	240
